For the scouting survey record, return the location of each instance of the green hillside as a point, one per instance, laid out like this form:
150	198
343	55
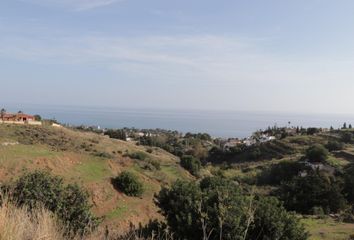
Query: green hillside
90	160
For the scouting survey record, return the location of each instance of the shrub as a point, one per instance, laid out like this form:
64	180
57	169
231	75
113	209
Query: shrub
349	183
103	155
347	137
334	146
191	164
129	184
317	153
217	209
281	172
303	194
117	134
155	163
138	155
272	221
68	202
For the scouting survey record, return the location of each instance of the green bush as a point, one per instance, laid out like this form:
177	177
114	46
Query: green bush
191	164
334	146
281	172
224	210
68	202
138	155
129	184
302	194
117	134
317	153
347	137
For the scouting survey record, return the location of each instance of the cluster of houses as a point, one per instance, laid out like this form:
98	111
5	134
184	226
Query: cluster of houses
18	118
233	142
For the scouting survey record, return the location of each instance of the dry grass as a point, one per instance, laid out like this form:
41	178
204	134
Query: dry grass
20	224
17	223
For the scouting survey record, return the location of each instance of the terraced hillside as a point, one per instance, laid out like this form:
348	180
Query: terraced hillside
90	160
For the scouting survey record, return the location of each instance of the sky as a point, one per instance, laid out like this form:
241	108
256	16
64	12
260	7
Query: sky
274	55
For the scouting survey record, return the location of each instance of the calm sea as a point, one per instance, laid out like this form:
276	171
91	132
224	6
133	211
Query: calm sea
216	123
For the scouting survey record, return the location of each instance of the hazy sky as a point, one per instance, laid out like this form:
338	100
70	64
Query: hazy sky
278	55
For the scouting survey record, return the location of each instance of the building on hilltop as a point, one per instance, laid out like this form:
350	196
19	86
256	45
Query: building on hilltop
19	118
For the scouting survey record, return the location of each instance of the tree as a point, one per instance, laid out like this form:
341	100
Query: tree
344	126
117	134
350	126
312	131
317	153
37	117
303	194
217	209
272	221
191	164
2	113
349	183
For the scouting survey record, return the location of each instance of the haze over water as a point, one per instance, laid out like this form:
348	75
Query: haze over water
217	123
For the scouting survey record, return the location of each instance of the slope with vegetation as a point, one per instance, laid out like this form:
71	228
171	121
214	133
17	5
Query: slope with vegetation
97	185
91	161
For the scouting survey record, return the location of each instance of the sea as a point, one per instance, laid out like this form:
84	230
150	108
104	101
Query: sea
224	124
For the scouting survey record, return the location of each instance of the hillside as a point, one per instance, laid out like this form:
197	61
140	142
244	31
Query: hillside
90	160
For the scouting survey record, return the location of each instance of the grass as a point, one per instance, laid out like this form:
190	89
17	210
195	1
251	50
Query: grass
93	169
118	212
9	153
337	162
327	229
18	224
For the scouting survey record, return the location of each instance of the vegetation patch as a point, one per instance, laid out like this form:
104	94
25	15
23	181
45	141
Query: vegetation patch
129	184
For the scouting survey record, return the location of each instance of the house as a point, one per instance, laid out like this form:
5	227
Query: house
19	118
265	138
231	143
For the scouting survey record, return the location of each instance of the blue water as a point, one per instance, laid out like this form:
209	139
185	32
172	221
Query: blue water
217	123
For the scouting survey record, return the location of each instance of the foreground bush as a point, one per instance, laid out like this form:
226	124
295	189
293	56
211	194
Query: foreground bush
217	208
282	172
68	202
304	194
129	184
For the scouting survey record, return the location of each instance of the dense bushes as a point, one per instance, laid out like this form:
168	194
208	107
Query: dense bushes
334	146
217	207
316	190
281	172
256	152
347	137
68	202
317	153
191	164
117	134
349	183
129	184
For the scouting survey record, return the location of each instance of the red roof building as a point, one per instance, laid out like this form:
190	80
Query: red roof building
18	117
